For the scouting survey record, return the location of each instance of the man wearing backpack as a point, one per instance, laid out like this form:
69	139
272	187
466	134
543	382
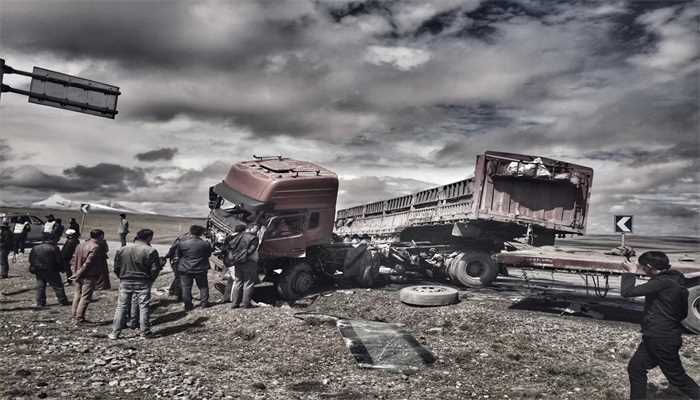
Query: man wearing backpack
242	256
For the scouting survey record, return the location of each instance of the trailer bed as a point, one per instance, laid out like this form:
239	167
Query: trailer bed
577	260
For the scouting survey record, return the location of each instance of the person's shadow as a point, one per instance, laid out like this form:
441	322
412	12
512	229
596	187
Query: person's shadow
175	329
169	317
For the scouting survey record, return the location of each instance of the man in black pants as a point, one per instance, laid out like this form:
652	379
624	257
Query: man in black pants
665	306
46	262
193	254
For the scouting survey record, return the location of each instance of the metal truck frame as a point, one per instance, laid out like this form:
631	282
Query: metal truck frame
461	232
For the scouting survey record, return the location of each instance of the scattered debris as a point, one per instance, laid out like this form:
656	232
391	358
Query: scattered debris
383	345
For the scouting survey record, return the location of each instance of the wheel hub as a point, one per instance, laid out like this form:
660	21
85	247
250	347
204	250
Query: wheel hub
475	269
303	283
695	309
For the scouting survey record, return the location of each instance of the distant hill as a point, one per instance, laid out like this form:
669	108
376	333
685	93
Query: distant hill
58	202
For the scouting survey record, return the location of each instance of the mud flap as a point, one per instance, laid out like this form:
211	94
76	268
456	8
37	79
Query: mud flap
382	345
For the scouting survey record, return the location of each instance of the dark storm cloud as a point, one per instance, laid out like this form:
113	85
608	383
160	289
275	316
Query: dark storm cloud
689	150
676	211
166	153
5	151
104	178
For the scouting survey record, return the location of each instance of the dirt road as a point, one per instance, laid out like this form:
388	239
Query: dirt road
501	343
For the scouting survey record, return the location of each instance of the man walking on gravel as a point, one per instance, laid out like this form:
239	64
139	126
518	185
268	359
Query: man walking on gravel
87	263
137	265
665	306
123	229
193	254
46	263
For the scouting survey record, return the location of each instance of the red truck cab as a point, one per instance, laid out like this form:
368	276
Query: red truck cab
293	202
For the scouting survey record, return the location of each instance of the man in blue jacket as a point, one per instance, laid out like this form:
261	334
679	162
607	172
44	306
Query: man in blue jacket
137	265
665	306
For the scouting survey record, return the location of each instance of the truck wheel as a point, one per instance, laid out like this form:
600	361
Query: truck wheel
475	269
295	282
692	322
429	295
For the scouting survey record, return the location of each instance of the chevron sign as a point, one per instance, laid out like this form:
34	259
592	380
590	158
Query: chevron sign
623	224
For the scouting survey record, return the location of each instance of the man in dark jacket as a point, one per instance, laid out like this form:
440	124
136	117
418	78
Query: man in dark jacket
46	262
137	265
7	244
665	306
87	264
68	249
193	254
175	287
74	225
240	258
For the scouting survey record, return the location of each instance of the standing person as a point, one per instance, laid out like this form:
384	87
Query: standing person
68	249
58	229
46	262
137	265
87	264
241	256
123	229
175	287
103	282
49	225
7	244
22	229
665	306
74	225
193	254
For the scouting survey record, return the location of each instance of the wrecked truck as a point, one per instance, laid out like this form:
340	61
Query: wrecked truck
462	232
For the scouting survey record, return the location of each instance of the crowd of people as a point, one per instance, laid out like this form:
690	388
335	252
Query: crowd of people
137	265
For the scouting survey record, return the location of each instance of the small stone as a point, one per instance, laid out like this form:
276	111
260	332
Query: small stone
113	383
259	386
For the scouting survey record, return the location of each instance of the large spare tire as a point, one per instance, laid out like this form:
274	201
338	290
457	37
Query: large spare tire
475	269
692	322
429	295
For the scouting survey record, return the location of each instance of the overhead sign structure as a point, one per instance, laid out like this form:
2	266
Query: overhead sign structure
623	224
84	208
56	89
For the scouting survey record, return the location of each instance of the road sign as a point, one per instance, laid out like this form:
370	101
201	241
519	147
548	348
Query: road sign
84	208
623	224
56	89
82	95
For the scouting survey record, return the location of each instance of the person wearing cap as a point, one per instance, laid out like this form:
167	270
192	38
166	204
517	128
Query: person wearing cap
123	229
71	243
665	306
58	229
7	244
87	263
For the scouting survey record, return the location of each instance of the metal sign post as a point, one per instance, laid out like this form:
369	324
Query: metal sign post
623	224
65	91
84	208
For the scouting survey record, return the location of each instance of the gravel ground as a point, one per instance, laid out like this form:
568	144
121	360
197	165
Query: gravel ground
485	348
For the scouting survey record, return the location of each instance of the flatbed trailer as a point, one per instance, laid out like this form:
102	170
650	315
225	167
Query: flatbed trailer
597	265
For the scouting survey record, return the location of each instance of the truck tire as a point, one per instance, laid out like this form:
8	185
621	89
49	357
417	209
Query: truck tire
475	269
295	281
692	322
429	295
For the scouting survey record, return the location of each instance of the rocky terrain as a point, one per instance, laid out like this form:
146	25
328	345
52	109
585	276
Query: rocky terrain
492	345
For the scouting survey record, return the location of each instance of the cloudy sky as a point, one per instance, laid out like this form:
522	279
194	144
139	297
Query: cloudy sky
394	96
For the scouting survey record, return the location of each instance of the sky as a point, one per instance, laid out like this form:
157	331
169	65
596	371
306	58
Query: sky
395	96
